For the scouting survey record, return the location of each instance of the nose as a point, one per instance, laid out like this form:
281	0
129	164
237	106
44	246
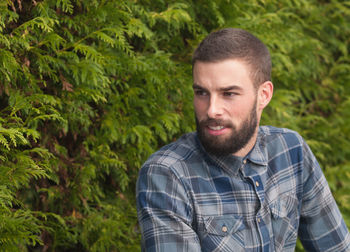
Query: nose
215	109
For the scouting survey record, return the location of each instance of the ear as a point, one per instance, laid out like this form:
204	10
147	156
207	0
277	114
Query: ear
265	93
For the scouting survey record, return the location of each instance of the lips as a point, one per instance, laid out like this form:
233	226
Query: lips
216	130
216	127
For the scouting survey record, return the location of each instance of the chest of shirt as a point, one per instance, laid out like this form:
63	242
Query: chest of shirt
246	211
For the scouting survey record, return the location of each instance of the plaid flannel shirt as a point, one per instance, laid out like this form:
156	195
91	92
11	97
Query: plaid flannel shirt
189	200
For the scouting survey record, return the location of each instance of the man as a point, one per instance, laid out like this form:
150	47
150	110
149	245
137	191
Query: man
232	185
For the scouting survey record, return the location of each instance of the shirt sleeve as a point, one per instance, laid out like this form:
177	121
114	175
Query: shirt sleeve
322	227
164	211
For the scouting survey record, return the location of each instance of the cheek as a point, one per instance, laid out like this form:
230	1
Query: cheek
238	110
199	106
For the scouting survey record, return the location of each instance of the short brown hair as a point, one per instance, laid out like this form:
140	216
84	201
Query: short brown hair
233	43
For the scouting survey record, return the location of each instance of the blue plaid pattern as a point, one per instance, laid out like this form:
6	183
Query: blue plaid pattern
189	200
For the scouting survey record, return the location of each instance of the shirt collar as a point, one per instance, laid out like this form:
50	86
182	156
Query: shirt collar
258	154
231	163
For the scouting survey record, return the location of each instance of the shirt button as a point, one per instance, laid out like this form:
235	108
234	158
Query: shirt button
259	220
244	161
224	229
257	183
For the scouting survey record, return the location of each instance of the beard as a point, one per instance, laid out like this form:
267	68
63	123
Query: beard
232	143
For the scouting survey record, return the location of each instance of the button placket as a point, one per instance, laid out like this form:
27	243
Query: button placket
258	184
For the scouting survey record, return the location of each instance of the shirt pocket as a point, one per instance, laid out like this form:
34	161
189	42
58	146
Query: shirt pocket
226	231
284	213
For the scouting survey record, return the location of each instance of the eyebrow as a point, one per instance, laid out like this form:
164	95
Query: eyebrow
223	89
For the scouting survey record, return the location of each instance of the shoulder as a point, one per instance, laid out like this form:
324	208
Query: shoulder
173	155
273	135
279	144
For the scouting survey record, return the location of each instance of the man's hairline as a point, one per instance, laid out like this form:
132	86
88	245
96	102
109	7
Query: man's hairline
239	59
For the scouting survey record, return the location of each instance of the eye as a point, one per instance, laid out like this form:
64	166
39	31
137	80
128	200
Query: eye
229	94
200	92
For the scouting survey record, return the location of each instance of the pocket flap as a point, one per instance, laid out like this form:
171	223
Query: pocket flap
223	225
281	207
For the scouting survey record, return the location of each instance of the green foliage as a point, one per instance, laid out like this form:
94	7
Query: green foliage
21	162
89	89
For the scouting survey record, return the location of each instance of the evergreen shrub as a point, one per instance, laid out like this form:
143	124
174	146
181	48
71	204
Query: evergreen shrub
89	89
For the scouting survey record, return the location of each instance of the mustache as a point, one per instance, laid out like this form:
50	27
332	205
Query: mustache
215	122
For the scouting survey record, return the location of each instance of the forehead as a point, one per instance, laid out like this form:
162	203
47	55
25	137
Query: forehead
222	73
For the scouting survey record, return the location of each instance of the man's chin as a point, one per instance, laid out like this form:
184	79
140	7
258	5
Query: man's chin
218	140
217	145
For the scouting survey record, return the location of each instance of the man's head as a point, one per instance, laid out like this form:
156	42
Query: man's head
231	88
232	43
